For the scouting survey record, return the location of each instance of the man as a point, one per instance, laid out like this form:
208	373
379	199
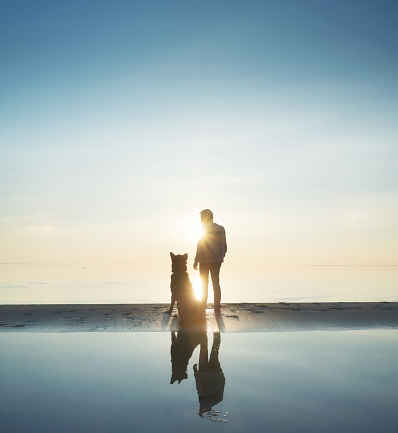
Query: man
210	253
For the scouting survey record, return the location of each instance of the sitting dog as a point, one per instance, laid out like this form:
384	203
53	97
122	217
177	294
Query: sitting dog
189	308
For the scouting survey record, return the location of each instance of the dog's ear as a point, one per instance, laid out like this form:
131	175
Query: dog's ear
185	256
172	255
178	376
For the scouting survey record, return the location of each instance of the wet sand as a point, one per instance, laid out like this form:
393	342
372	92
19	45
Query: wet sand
242	317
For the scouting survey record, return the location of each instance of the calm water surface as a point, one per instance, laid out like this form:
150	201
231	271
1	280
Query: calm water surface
60	284
120	382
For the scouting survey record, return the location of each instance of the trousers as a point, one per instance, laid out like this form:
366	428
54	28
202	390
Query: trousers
214	270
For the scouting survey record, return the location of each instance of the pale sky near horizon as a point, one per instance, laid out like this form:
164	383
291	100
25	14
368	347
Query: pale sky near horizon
120	121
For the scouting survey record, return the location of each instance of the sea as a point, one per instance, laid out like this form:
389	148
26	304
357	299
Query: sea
76	284
127	382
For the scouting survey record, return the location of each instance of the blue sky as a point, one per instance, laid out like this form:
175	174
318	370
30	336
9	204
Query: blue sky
121	120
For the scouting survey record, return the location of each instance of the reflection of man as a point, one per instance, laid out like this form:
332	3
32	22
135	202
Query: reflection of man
209	377
210	380
210	253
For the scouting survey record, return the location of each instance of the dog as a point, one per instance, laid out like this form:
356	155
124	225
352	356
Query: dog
189	308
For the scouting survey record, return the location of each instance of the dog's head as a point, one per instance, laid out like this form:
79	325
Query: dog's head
178	262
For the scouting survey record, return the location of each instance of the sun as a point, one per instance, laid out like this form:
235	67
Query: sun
194	231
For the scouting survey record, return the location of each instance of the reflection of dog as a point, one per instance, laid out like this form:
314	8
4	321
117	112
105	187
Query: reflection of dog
189	308
182	346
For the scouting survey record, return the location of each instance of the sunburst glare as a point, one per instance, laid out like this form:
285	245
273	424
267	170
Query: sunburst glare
197	287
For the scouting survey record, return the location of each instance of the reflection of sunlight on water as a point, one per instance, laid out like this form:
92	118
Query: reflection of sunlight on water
76	284
197	287
215	416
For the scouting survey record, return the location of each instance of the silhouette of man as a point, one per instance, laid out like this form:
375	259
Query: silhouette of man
210	253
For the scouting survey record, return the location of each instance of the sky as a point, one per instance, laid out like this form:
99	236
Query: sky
121	120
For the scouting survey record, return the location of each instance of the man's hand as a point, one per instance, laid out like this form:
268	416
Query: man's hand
195	265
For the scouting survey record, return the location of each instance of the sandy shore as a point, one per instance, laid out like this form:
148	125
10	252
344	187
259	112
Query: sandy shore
234	318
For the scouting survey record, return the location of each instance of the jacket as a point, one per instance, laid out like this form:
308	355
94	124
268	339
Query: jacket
212	246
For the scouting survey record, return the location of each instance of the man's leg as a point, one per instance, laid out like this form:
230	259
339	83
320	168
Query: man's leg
214	362
203	355
204	276
215	279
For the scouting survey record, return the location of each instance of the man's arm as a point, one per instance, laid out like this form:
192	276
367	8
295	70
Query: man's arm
196	262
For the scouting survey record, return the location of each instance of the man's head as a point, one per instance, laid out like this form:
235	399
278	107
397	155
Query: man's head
206	216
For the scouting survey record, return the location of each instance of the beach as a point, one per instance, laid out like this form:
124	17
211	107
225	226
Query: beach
239	317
